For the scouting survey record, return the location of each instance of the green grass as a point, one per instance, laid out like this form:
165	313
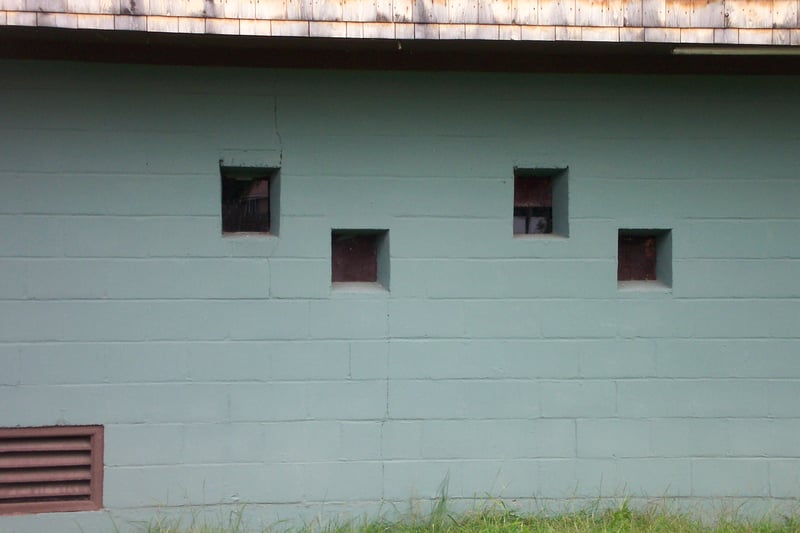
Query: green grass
497	518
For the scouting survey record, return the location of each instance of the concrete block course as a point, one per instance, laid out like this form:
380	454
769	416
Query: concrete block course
578	399
690	398
693	437
713	477
463	399
227	370
369	359
454	359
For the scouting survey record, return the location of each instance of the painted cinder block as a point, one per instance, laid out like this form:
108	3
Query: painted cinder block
408	277
225	442
427	479
454	238
730	477
26	320
496	278
349	318
145	444
227	370
30	235
784	476
33	405
125	108
613	438
147	279
719	239
298	400
622	358
10	363
497	439
557	478
169	485
478	399
347	400
320	441
596	478
269	401
294	278
121	152
754	278
262	319
783	238
401	439
302	237
104	192
389	157
503	319
785	318
430	237
89	522
395	196
690	437
162	402
578	398
656	477
745	358
86	320
739	316
425	318
298	361
365	480
268	361
226	361
688	398
657	317
15	276
89	363
420	479
152	236
575	319
775	437
783	396
369	359
458	358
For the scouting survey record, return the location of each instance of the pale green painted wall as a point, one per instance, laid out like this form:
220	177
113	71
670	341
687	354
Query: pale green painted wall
226	370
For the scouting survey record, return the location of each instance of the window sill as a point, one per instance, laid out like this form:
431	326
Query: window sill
246	234
634	287
540	237
358	289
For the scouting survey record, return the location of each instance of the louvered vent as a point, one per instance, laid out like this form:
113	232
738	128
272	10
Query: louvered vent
51	469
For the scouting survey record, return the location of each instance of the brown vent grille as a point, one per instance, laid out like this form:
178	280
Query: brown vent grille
51	469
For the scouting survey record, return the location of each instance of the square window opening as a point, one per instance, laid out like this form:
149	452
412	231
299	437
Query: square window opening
360	257
540	201
644	258
249	200
51	469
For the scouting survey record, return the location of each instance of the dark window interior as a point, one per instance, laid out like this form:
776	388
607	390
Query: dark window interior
636	257
354	256
245	204
533	204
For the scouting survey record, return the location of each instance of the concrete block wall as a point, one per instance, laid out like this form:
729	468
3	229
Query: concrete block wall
226	370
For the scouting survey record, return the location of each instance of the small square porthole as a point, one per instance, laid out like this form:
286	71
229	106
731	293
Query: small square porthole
360	256
644	258
249	200
540	201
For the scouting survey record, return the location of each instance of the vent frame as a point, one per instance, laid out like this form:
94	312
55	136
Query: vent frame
54	454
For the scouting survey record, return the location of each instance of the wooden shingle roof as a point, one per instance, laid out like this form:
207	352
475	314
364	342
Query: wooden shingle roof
684	22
